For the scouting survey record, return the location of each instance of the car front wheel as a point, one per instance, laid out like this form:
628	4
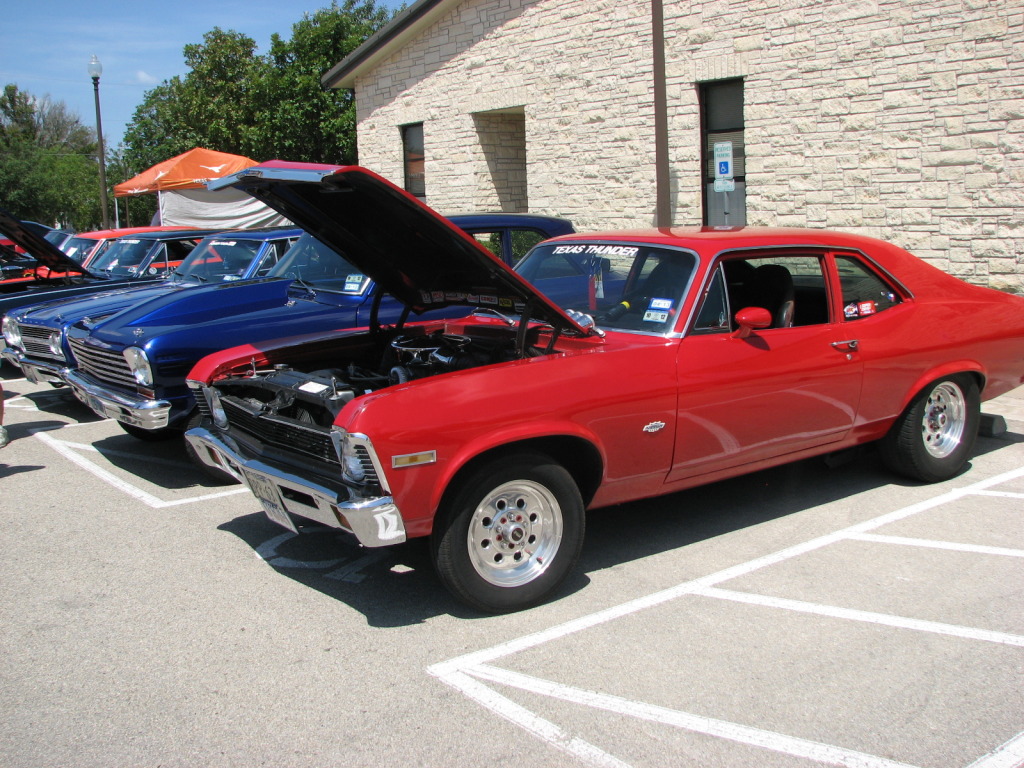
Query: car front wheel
510	533
932	439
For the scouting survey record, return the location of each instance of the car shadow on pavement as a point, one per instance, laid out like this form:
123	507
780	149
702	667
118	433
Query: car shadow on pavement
397	586
162	463
391	586
60	402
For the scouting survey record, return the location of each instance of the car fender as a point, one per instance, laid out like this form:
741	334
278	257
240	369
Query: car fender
507	439
938	372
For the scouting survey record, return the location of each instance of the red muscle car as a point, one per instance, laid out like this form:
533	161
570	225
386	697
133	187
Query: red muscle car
609	367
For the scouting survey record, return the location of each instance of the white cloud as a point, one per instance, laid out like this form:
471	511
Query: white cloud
144	78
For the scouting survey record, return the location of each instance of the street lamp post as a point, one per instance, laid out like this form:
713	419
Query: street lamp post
95	70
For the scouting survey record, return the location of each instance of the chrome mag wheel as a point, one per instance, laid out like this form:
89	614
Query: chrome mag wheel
514	533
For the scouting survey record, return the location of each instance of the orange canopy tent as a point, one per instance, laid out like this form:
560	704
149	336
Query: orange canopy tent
184	200
190	170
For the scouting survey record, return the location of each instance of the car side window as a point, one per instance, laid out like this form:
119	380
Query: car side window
523	241
491	241
864	292
791	287
272	256
714	311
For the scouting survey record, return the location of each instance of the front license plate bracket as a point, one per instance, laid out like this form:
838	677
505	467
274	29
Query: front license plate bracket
273	505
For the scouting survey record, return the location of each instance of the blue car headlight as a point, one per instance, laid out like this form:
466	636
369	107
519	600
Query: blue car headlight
138	362
56	344
12	333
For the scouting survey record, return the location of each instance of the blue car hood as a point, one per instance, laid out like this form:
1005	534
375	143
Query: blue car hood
93	306
213	317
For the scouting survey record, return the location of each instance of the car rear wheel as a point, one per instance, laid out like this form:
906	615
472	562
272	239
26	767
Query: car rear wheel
510	534
932	439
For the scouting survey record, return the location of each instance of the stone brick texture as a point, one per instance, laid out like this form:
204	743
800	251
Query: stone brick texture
899	119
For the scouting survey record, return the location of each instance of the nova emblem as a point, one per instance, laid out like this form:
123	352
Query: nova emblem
387	526
138	332
655	426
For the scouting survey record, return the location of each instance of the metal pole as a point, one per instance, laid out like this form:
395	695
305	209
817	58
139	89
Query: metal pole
663	191
102	154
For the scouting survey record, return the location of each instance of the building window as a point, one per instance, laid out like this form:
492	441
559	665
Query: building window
725	194
413	157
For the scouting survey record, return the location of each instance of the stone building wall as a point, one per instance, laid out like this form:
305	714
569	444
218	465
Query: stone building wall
902	119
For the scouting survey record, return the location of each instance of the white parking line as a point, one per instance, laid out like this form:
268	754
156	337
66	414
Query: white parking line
978	549
461	671
122	485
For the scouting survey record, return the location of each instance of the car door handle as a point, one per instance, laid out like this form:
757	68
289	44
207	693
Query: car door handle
849	345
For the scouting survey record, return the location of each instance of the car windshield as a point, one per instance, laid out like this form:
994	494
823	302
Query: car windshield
631	287
219	259
312	263
125	257
77	248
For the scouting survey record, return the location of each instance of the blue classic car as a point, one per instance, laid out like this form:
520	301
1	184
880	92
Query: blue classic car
36	335
132	366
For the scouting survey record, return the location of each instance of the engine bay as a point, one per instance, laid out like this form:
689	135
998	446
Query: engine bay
314	391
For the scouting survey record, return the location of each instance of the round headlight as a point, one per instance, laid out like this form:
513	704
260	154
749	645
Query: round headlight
55	344
12	333
138	362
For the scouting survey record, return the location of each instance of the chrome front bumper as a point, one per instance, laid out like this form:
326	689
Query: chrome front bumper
36	371
136	411
375	521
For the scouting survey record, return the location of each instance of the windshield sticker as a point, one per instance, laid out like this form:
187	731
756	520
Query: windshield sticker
130	242
354	282
223	242
598	250
152	270
229	278
658	311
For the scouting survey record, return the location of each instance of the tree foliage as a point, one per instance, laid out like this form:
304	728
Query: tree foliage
262	106
48	166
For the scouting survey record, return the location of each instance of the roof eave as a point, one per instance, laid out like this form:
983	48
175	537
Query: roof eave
389	38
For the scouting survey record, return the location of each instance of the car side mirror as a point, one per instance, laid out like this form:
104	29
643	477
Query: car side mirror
750	319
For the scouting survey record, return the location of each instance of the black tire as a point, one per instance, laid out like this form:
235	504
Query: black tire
219	476
933	438
509	534
151	435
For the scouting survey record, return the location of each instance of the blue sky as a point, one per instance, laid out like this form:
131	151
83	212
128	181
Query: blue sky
45	46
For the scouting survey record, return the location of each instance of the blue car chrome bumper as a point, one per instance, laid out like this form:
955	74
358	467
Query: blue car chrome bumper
137	411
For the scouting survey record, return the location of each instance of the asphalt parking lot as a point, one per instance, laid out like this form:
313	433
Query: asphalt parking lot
808	615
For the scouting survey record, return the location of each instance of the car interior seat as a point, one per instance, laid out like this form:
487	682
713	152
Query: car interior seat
772	289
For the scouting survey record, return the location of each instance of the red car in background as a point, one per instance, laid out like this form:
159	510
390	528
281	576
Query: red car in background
84	247
607	368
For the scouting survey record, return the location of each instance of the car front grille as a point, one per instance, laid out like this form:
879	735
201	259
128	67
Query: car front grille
36	340
103	364
306	439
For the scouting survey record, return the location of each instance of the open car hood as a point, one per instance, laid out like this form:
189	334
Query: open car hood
417	256
37	246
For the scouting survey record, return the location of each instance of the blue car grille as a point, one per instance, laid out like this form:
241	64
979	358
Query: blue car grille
308	440
103	364
36	340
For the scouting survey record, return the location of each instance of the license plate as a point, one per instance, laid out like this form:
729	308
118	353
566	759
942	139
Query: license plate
31	375
270	498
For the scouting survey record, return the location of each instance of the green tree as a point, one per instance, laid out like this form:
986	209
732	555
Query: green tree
263	107
48	170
